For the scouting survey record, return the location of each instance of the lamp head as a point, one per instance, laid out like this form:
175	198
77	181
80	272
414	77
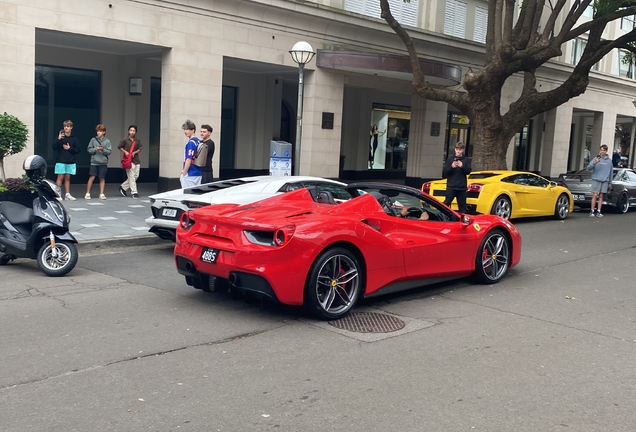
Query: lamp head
302	53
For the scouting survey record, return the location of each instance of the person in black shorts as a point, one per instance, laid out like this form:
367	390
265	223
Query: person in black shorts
99	148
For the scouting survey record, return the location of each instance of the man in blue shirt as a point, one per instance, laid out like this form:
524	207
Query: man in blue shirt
190	174
602	173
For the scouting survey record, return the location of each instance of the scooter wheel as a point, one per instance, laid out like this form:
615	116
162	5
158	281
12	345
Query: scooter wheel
63	262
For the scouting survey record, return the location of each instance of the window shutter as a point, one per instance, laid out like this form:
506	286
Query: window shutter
408	15
455	18
481	24
356	6
373	9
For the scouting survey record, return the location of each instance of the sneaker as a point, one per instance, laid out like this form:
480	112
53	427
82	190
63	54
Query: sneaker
102	196
69	197
135	196
599	214
592	213
87	196
122	191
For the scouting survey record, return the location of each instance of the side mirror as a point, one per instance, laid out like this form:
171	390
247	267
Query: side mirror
466	220
553	184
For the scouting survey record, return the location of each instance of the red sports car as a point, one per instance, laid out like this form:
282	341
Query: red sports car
303	248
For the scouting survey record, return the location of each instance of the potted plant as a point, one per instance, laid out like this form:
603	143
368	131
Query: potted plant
18	190
13	138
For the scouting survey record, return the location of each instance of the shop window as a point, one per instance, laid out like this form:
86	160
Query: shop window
627	23
229	100
578	46
625	68
389	137
154	131
65	94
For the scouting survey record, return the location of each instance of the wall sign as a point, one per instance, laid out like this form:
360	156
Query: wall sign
435	128
327	120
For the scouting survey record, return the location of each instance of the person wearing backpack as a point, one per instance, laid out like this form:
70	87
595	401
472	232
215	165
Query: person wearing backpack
190	173
207	146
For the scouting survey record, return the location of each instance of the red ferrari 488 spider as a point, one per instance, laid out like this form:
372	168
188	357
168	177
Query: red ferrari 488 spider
303	248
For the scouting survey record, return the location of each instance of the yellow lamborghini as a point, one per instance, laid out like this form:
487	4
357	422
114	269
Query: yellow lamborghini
509	194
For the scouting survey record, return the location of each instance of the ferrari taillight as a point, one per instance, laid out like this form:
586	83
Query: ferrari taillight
186	221
426	187
283	235
474	187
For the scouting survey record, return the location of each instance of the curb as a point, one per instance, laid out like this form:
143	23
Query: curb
108	243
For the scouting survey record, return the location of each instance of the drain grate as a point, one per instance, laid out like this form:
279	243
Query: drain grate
369	322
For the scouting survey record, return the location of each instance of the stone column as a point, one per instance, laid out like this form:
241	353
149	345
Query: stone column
191	84
17	78
426	152
632	147
320	148
556	142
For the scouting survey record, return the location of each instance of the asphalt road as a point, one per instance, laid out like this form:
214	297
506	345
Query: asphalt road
123	344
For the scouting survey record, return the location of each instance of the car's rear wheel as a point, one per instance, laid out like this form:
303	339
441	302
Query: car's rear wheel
334	284
502	207
622	205
562	207
493	257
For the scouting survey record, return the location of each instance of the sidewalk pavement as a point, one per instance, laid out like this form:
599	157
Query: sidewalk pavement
115	218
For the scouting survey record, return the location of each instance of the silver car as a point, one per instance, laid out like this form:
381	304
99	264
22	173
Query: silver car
167	207
621	193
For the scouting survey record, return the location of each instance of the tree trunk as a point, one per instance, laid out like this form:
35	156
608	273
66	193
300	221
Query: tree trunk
489	150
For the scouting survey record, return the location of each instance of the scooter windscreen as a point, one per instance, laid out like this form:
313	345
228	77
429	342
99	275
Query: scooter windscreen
51	187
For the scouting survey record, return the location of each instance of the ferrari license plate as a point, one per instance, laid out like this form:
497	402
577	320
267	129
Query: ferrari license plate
578	197
168	212
209	255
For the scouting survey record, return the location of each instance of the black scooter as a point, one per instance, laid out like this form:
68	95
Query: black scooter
39	232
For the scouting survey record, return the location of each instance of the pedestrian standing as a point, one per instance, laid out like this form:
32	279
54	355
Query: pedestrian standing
586	156
190	173
132	173
602	172
616	158
456	168
99	148
207	174
66	147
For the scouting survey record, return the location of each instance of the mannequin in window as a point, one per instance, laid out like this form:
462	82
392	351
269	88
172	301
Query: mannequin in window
373	145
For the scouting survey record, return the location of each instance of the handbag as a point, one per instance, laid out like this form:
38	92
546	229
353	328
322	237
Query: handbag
126	160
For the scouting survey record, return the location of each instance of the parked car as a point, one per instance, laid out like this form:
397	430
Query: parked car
621	194
298	251
510	194
167	207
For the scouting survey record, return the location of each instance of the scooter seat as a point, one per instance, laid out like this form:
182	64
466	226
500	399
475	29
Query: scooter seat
15	213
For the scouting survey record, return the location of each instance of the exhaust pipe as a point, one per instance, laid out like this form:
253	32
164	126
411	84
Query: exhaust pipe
233	279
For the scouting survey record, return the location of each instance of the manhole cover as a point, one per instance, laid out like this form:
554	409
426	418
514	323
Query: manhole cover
369	322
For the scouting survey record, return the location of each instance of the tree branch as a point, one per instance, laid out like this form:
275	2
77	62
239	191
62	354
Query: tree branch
419	80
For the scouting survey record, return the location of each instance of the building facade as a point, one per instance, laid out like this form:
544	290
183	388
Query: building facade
226	63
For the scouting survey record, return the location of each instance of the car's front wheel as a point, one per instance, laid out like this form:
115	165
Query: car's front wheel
493	257
622	205
502	207
334	284
562	207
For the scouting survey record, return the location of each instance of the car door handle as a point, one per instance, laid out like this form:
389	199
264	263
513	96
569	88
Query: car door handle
410	242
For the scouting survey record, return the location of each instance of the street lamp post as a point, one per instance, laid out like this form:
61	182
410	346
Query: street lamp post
301	53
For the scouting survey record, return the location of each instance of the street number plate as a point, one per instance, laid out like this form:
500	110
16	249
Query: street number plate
209	255
168	212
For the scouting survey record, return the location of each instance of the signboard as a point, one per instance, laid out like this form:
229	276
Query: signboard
280	166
